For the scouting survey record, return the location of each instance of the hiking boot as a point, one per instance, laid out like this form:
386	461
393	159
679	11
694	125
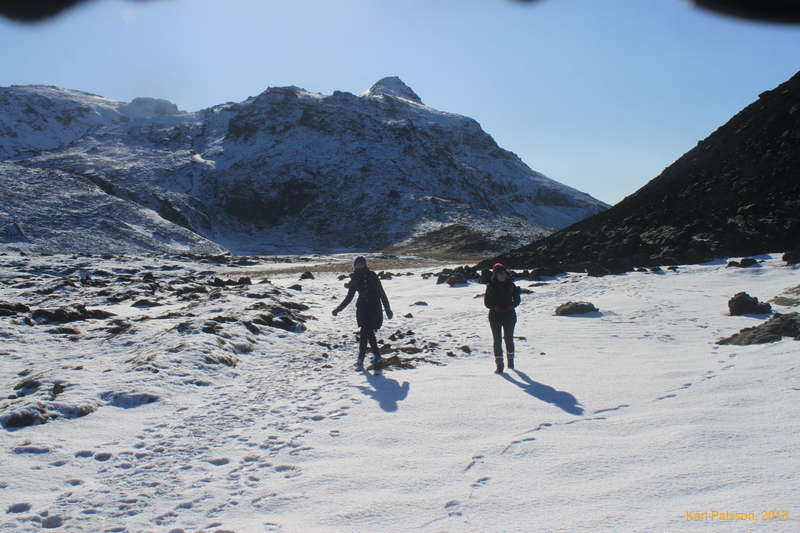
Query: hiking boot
510	357
499	362
360	364
376	361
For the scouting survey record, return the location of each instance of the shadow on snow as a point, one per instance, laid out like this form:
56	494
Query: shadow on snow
546	393
386	391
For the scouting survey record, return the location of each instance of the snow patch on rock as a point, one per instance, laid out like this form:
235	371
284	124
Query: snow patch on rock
393	86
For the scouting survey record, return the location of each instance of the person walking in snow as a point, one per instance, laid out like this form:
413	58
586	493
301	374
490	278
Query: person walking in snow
371	304
501	298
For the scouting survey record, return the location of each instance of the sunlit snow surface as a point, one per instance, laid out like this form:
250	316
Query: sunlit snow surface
623	420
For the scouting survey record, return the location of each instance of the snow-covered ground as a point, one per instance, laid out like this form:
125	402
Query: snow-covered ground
623	420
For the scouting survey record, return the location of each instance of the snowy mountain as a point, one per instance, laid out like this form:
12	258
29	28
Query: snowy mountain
287	170
736	193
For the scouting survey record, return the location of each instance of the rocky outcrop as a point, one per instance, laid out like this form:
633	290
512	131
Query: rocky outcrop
735	194
744	304
772	330
69	313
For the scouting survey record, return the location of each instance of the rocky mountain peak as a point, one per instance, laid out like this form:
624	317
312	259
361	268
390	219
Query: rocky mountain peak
143	107
393	86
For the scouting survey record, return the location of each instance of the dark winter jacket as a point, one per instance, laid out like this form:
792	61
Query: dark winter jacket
502	297
371	295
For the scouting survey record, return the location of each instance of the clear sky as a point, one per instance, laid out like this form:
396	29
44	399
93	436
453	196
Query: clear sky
600	95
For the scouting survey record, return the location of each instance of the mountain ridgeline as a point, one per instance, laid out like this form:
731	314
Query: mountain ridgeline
287	171
736	193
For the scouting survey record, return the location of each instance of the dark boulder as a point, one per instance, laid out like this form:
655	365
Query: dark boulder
306	275
575	308
744	304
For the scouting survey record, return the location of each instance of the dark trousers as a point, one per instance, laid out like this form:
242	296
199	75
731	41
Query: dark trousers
502	324
364	336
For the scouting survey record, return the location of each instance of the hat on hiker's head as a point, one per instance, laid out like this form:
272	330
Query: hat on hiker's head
499	267
359	260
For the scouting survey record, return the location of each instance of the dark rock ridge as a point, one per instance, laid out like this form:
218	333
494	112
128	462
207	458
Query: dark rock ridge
736	193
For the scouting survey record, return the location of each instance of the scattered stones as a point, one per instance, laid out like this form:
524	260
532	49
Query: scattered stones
306	275
458	276
408	315
296	287
220	283
575	308
398	362
744	304
420	303
744	263
773	330
465	349
69	313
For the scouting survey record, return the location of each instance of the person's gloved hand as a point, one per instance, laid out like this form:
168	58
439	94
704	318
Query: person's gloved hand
335	312
389	314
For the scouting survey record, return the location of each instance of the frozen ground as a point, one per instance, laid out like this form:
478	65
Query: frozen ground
203	418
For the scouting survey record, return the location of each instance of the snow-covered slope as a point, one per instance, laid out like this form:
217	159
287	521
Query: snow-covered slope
198	417
291	169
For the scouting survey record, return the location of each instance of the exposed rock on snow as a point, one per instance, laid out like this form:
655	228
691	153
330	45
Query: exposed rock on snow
742	304
10	309
69	313
773	330
128	399
575	308
744	263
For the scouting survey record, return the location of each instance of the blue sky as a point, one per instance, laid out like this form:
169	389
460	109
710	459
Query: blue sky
598	95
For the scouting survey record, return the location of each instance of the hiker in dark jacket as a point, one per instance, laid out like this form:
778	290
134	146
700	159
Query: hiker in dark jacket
371	303
501	298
